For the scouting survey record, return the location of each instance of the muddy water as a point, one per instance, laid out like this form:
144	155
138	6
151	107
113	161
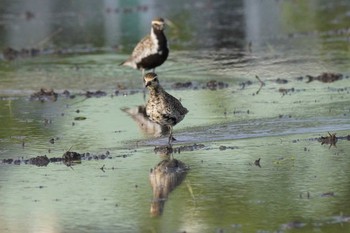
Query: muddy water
300	185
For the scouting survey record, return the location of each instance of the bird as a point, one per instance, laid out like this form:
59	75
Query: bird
152	51
161	107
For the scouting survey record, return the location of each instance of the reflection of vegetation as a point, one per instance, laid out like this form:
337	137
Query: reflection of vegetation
180	30
21	122
8	120
298	16
308	16
325	19
83	27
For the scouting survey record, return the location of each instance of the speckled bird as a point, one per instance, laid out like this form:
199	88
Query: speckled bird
161	107
151	51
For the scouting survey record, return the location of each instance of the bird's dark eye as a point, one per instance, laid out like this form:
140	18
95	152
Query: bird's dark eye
156	79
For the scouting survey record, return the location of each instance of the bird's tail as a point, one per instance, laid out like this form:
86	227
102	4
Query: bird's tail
128	63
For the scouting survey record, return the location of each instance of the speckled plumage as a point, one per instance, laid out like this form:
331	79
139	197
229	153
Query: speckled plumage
161	107
151	51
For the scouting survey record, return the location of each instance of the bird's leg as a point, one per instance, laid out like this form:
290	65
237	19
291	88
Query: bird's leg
170	135
143	86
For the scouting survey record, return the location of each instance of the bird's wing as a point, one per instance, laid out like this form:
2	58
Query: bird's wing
142	49
177	104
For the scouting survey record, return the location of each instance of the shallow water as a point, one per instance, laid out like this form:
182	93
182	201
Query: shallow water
300	185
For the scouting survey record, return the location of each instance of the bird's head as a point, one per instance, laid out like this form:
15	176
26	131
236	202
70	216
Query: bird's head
151	80
158	24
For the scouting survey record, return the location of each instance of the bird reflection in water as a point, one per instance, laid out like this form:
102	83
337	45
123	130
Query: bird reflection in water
138	114
164	178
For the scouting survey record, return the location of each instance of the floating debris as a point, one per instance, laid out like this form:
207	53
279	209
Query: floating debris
55	160
214	85
90	94
281	81
261	84
257	162
328	194
80	118
44	95
179	85
227	147
246	83
71	158
325	77
67	94
8	161
167	150
39	161
71	155
163	150
189	148
285	91
331	139
300	78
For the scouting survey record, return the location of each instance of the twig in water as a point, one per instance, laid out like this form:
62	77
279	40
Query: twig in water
261	83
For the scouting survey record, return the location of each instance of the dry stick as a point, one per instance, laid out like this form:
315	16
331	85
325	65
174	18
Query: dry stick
261	83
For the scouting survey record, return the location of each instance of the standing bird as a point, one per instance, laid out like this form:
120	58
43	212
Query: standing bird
162	108
151	51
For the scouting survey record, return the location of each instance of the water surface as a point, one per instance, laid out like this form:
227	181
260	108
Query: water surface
300	185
